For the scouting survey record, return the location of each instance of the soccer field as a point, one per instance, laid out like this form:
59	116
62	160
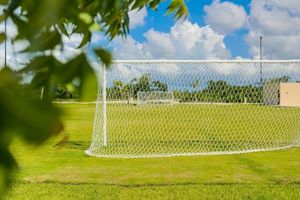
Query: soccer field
185	129
55	171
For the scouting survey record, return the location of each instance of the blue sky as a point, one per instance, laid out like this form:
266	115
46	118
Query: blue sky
220	29
215	29
161	22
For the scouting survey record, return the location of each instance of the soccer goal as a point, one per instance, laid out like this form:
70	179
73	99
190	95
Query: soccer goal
155	97
218	107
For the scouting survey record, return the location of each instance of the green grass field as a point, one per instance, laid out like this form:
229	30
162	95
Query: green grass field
197	128
65	172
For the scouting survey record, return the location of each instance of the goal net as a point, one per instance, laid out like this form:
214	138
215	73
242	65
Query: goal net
157	97
222	107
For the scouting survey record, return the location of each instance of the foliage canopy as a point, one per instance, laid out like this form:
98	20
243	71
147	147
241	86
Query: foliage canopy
43	24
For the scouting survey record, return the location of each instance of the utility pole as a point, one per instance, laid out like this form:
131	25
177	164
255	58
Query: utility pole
5	39
261	57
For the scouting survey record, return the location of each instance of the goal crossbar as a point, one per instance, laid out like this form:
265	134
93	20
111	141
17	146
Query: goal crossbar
203	61
212	97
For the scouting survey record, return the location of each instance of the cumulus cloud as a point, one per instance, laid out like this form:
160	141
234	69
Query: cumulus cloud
69	49
290	5
129	49
137	18
127	72
184	41
274	18
11	28
11	33
225	17
12	48
17	60
279	23
12	59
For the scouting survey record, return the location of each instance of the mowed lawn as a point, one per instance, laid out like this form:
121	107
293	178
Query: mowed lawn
54	171
196	128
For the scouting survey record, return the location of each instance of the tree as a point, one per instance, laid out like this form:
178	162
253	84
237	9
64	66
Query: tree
121	90
144	83
115	92
282	79
159	86
195	84
43	23
65	94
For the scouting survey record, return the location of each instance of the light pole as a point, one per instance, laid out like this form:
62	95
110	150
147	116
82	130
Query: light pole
261	57
5	39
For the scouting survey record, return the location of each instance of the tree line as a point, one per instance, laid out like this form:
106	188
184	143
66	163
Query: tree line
214	91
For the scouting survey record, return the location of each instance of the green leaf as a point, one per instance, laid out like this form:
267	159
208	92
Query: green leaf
37	64
94	27
46	74
2	2
80	70
41	23
40	79
21	26
105	56
2	37
32	119
14	4
86	38
179	7
85	18
88	91
2	17
63	29
6	158
45	41
7	166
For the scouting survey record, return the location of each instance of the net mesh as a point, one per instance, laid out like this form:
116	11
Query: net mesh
222	107
156	97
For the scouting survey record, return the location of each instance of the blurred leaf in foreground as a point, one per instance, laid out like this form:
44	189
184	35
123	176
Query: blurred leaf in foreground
24	116
43	24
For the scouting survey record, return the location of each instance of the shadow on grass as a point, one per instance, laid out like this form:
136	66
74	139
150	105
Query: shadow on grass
73	145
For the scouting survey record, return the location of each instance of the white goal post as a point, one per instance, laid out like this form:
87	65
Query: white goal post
155	97
222	107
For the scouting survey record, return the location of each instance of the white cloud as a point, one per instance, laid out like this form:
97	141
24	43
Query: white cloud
11	28
129	49
69	48
14	59
12	31
291	6
159	44
11	60
17	60
137	18
97	36
127	72
225	17
273	18
279	23
184	41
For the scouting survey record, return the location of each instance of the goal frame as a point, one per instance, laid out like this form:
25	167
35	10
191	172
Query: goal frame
156	101
103	87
